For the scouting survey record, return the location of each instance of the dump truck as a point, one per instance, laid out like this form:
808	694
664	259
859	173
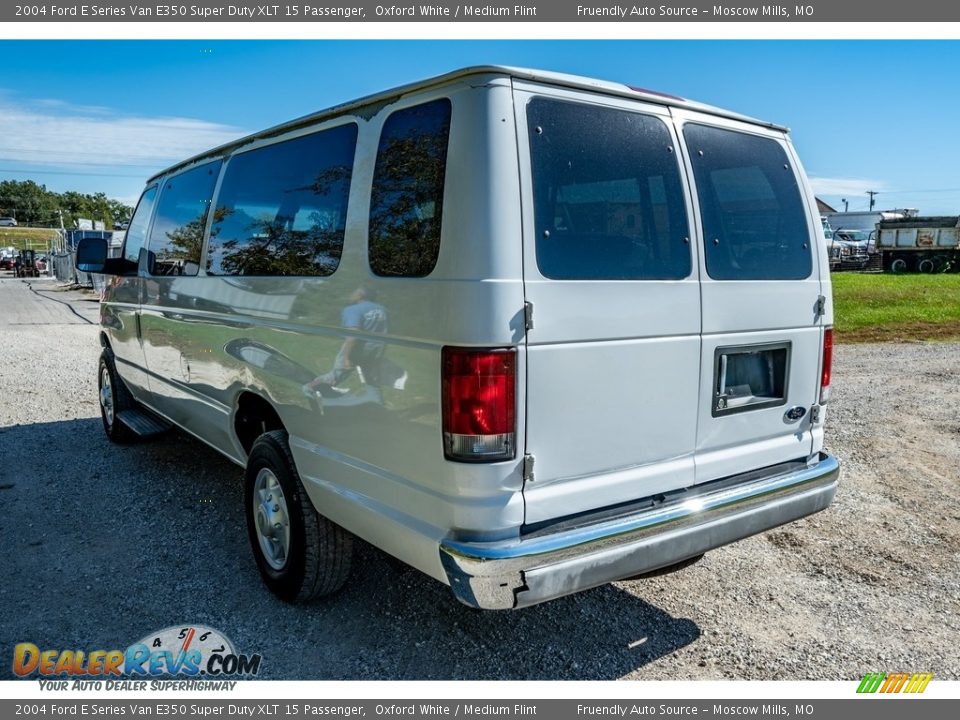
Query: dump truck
919	244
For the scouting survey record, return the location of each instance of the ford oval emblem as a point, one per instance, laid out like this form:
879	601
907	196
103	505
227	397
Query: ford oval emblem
794	413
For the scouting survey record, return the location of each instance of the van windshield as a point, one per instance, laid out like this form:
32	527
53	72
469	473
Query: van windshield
607	194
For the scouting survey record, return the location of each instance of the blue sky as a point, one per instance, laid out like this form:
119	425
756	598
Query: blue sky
103	115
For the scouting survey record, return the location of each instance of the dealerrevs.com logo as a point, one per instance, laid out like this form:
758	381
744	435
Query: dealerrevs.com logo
908	683
187	652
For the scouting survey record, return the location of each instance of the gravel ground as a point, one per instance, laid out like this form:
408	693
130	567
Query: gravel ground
104	544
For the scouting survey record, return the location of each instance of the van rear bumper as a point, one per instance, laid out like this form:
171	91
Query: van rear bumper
524	571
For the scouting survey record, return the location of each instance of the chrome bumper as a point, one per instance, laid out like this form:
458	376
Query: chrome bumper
519	572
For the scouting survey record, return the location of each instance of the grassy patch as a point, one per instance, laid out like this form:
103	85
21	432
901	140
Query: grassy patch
26	238
877	308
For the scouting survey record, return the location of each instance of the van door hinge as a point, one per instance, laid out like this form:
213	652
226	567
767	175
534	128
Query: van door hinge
528	315
821	306
528	461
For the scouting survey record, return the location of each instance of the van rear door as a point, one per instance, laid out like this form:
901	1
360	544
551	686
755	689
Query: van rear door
761	290
613	355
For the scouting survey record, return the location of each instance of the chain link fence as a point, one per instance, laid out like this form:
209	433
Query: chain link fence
63	254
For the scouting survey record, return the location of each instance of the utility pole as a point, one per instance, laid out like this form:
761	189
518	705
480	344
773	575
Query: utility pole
846	205
871	193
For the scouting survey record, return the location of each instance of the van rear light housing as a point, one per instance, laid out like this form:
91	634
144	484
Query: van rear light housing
478	388
826	362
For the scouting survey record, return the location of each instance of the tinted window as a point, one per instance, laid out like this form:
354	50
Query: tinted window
608	201
754	223
406	203
136	236
282	209
177	235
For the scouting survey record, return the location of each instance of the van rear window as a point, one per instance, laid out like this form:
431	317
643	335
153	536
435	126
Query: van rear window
282	208
754	223
608	200
406	200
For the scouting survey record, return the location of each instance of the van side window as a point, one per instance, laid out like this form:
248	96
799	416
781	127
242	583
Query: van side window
406	202
608	199
177	235
282	208
754	223
136	236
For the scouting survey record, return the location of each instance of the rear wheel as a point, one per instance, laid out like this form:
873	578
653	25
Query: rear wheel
301	555
114	399
898	265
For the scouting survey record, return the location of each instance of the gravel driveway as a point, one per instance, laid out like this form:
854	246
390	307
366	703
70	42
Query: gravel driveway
104	544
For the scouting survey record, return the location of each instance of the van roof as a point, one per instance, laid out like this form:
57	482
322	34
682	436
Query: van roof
542	76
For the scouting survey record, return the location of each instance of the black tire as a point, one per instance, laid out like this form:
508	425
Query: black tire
899	264
121	400
319	552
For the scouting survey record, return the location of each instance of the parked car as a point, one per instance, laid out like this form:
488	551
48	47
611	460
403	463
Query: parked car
530	333
6	262
8	222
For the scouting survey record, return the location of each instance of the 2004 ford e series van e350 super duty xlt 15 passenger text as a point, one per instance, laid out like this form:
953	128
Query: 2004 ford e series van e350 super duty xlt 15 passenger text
529	333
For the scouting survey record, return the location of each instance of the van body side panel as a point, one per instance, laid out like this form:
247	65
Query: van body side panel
208	339
120	312
122	297
761	326
613	364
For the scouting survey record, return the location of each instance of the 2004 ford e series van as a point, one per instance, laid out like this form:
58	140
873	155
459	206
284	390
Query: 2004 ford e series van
527	332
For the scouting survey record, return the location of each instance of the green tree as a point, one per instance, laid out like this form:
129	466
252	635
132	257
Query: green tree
28	202
33	204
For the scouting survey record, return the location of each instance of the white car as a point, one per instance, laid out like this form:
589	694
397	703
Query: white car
530	333
8	222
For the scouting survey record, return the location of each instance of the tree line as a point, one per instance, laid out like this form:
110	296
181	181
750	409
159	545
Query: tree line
32	204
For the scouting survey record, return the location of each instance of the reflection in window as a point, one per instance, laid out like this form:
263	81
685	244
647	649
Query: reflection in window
754	223
136	236
608	199
282	208
406	202
177	235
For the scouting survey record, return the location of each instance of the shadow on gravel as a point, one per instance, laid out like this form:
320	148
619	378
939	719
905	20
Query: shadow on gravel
103	544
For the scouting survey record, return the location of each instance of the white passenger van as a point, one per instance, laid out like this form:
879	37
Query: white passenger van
527	332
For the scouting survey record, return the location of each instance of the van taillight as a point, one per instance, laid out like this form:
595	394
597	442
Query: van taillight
827	365
479	404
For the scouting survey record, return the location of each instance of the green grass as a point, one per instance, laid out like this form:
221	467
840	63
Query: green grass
872	307
27	238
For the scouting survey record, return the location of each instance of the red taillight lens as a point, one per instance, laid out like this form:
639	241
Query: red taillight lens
827	365
479	403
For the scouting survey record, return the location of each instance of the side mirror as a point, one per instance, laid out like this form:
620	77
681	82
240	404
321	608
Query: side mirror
92	255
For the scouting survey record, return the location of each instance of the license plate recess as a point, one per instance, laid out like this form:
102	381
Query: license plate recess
750	377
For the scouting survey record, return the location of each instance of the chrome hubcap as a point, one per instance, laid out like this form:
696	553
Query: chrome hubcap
106	395
271	519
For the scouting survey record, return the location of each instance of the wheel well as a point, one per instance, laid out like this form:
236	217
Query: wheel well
254	417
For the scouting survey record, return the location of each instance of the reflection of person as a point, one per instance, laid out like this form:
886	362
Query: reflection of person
366	356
